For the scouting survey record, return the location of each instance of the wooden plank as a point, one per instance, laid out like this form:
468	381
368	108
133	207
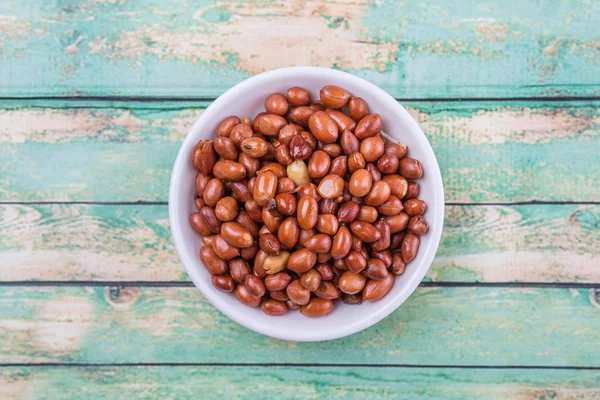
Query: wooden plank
296	383
436	326
427	50
488	152
530	243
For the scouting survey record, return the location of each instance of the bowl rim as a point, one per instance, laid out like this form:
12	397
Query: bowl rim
433	172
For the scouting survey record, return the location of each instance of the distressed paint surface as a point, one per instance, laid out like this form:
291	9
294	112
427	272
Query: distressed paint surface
425	50
296	383
488	152
530	243
436	326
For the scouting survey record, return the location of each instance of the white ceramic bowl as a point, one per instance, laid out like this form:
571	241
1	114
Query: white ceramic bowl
247	99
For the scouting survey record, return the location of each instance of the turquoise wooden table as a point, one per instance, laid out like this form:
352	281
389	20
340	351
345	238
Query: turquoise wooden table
96	97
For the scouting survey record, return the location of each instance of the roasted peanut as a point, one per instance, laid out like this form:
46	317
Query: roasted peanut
283	155
198	224
387	163
278	281
323	127
360	183
319	243
265	187
368	126
325	271
236	235
226	148
308	212
213	264
297	96
238	268
204	157
297	293
288	232
245	297
375	290
301	261
327	224
239	132
299	148
269	244
251	164
255	285
343	121
412	191
318	164
376	269
334	96
418	225
271	124
225	127
379	194
300	115
342	242
355	261
276	103
398	222
224	283
356	161
349	143
365	231
398	266
327	290
274	307
279	295
275	264
226	209
285	185
339	166
213	192
348	212
223	249
210	219
310	280
255	147
398	150
392	206
410	168
351	282
331	186
271	217
410	246
357	108
227	170
372	148
384	241
317	307
415	207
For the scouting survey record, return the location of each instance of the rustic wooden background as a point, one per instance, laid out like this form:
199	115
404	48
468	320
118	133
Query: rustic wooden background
96	96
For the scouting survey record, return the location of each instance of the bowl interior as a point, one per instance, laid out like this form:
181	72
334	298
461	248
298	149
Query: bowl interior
246	99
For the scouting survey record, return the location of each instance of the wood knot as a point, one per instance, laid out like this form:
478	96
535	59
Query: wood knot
594	298
121	296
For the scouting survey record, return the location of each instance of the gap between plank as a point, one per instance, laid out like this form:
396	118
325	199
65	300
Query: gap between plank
186	284
207	99
165	203
283	365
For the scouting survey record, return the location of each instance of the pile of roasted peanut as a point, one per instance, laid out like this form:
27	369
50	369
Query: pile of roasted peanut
306	204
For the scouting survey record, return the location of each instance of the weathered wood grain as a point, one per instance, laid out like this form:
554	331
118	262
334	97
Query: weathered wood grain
430	49
436	326
295	383
529	243
488	152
